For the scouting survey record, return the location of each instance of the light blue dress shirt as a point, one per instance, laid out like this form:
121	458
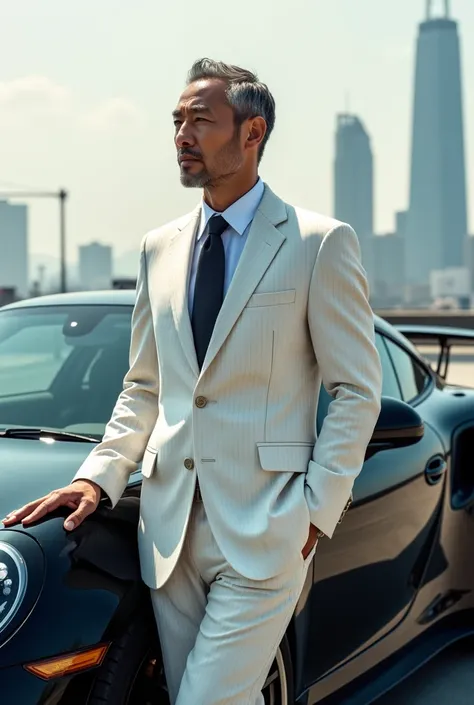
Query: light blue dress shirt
239	215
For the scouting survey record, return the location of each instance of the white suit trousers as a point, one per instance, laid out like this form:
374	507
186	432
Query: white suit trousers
220	631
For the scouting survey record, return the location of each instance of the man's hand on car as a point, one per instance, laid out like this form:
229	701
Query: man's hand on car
83	496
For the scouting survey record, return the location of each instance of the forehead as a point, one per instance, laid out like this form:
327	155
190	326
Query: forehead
207	92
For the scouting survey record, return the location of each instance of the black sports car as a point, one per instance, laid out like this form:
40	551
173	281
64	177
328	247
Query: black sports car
393	587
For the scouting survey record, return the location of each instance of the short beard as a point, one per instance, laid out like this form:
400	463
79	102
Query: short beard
228	157
189	180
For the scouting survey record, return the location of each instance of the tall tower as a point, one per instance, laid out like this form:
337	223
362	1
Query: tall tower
353	176
437	214
354	182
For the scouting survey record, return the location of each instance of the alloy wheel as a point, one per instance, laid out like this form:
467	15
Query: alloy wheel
275	689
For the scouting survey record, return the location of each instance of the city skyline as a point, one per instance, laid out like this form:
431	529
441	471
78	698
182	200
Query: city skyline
100	126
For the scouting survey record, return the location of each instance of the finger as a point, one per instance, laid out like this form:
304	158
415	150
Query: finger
86	507
51	503
18	514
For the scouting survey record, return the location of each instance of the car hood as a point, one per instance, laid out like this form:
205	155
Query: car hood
30	469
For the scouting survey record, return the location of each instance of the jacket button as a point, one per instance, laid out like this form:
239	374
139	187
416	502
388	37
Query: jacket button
189	464
201	402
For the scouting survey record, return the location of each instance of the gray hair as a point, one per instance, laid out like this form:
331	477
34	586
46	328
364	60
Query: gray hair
248	96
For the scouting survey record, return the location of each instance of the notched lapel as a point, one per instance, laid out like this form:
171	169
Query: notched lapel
264	241
180	253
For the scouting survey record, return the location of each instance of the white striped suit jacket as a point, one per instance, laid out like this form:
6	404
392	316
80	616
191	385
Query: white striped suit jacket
296	314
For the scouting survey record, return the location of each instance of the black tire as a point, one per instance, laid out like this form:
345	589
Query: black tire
279	688
128	655
124	664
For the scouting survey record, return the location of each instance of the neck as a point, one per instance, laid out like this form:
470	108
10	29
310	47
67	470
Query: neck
220	196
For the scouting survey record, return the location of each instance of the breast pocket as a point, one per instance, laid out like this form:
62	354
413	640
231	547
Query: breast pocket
272	298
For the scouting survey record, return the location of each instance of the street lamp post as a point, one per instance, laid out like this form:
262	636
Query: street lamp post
62	227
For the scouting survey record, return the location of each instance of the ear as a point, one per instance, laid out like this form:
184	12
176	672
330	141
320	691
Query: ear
257	128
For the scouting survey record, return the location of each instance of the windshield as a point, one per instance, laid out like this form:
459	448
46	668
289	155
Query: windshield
62	367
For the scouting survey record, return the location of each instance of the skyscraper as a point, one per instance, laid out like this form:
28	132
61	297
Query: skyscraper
353	175
437	214
95	266
353	181
14	247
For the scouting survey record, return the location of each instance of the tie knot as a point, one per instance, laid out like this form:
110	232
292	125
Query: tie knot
217	225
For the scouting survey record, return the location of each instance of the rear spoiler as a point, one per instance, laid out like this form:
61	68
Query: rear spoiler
444	336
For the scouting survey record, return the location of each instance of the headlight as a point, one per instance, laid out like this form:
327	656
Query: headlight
13	580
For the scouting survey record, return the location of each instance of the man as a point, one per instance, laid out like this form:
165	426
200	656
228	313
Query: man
242	308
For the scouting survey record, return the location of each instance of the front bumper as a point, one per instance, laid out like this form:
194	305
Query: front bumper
18	687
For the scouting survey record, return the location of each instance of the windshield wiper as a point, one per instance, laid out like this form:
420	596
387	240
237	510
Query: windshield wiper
38	434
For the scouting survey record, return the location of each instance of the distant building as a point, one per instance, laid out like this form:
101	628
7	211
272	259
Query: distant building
354	181
95	266
437	215
401	218
8	295
453	283
469	258
388	278
14	248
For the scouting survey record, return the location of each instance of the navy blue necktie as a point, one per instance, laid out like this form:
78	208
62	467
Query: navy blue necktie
209	287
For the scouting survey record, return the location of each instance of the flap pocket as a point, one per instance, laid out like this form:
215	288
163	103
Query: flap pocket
285	457
148	462
272	298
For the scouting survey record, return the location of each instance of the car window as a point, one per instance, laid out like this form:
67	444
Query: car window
390	385
31	357
62	367
412	377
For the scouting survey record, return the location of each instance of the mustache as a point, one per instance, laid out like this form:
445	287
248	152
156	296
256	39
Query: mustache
189	153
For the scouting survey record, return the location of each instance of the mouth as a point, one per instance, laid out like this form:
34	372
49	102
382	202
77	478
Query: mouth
187	161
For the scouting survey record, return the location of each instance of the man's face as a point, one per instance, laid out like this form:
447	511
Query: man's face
208	143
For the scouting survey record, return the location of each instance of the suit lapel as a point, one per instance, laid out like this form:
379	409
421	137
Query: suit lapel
263	243
181	249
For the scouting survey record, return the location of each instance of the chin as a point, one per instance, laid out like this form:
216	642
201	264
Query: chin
189	180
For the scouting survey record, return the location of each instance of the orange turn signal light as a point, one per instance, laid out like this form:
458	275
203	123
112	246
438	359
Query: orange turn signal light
68	664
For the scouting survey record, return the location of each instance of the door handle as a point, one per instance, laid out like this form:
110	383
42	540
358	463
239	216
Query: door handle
435	469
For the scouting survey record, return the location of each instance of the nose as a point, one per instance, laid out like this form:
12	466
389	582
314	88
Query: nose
184	137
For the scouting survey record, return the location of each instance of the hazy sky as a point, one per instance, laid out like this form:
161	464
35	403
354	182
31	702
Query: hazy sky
87	88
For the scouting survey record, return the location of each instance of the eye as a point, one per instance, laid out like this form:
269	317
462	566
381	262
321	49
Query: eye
177	123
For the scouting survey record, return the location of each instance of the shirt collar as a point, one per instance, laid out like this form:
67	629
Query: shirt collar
239	214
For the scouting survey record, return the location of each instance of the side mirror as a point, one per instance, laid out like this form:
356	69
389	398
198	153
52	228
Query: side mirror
398	426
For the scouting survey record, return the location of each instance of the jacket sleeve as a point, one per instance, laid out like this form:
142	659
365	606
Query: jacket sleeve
341	324
134	416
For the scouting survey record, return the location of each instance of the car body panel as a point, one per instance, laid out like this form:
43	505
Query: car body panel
376	559
80	594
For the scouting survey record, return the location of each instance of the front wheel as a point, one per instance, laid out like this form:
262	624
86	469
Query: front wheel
131	673
279	689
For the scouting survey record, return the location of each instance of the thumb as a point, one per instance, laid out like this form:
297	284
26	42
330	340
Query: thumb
85	508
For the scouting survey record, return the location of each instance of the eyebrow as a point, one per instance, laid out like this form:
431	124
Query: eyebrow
199	108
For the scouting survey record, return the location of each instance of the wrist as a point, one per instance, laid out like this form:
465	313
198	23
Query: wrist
319	534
